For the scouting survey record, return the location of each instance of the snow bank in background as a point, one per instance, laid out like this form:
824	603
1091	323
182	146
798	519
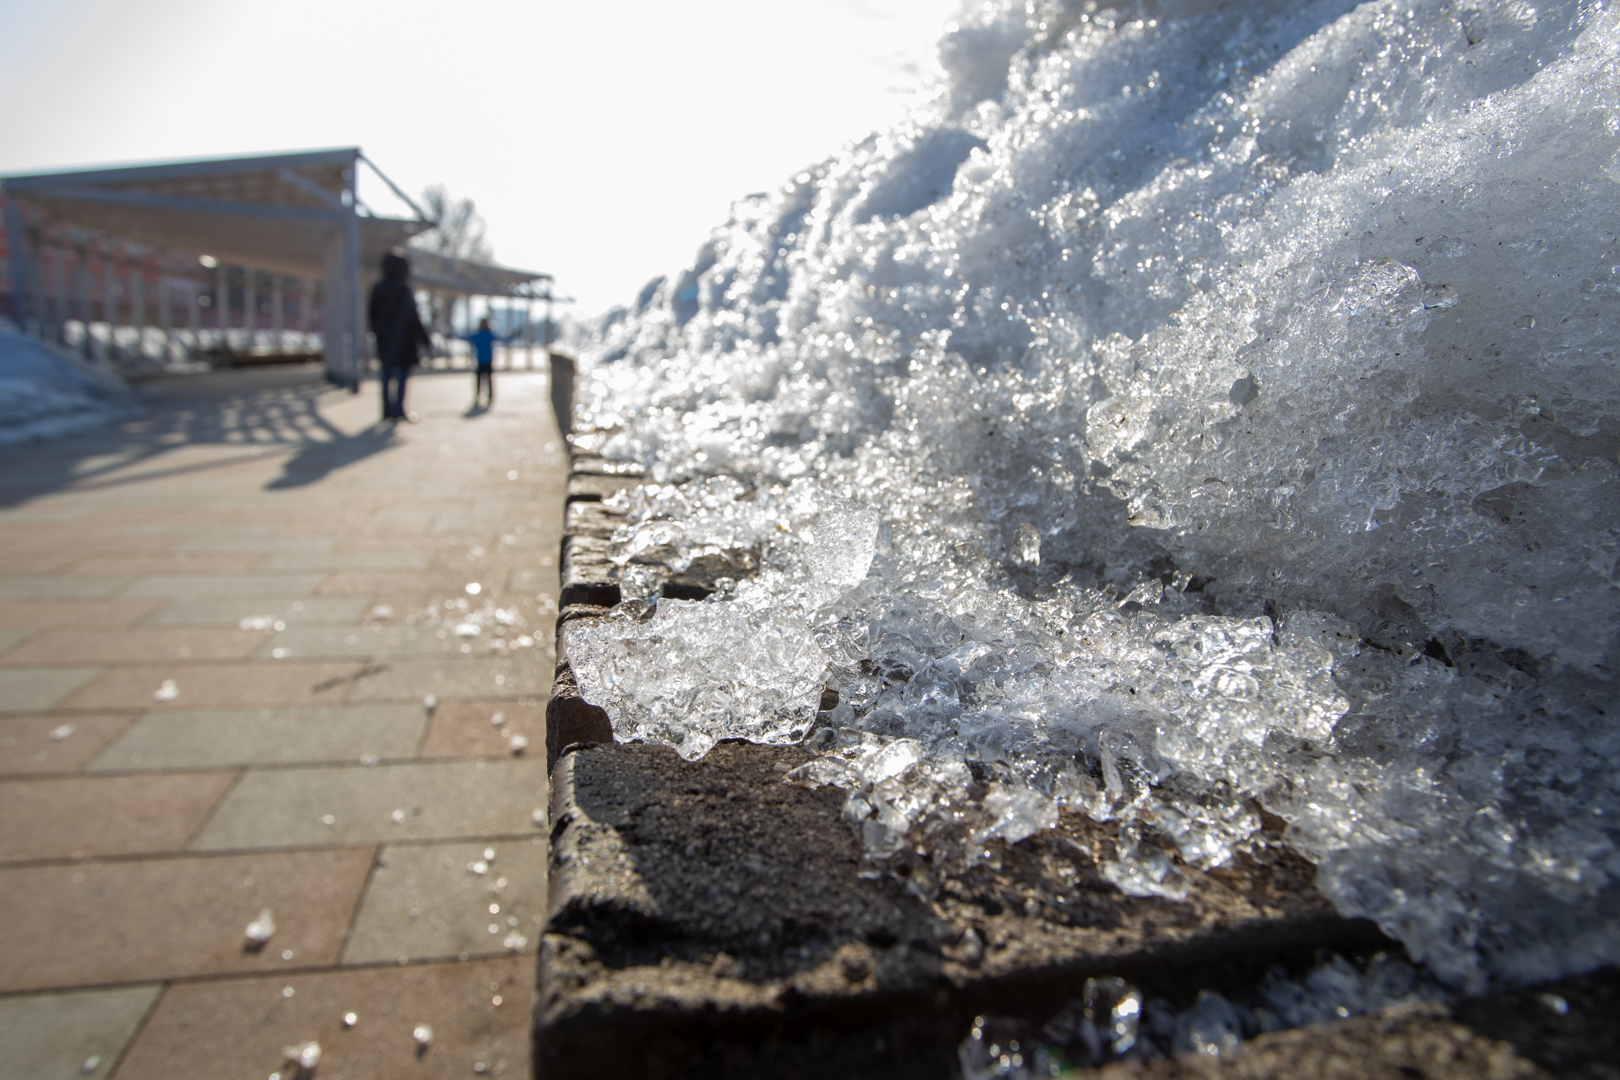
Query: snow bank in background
1236	385
46	392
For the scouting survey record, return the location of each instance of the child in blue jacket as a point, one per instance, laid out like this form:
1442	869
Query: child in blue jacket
483	342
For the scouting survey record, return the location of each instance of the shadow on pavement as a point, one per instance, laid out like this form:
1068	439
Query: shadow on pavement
256	411
317	459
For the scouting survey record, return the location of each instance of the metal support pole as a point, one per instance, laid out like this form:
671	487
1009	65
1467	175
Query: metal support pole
250	307
194	315
137	302
61	308
355	321
222	306
81	283
165	288
277	314
109	300
19	266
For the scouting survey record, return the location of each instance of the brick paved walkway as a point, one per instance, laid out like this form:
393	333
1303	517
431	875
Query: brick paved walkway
304	582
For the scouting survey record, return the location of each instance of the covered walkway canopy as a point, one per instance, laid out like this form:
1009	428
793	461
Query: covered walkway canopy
298	214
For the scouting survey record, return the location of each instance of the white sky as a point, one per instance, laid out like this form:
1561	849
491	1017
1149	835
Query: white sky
601	141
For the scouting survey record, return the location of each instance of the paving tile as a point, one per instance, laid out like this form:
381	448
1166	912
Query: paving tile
84	816
239	1027
198	530
272	586
347	560
464	678
176	563
55	1036
231	612
377	639
205	738
462	729
11	638
439	800
215	685
27	745
532	579
370	582
28	614
260	539
135	644
425	903
57	586
44	561
154	919
36	689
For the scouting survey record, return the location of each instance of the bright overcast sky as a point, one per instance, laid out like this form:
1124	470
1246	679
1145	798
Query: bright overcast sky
601	141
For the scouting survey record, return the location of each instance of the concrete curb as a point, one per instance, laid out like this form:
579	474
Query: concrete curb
708	919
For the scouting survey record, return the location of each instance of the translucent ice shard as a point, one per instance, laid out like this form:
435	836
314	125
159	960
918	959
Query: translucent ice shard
1027	546
261	929
696	673
845	541
1309	406
305	1055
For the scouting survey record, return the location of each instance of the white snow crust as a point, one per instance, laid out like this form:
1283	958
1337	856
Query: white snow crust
1232	388
45	391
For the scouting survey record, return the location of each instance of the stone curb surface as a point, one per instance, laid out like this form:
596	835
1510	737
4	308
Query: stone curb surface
709	919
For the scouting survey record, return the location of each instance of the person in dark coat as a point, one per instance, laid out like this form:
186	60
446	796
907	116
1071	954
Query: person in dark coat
394	320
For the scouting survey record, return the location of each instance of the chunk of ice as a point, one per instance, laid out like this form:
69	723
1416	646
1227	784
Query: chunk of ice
1243	335
261	928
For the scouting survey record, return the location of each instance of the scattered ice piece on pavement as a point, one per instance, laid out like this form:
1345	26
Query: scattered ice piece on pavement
278	654
489	854
423	1034
430	702
539	816
306	1055
286	954
167	692
368	759
468	629
91	1064
515	941
382	611
257	622
60	733
287	991
261	929
518	743
328	819
350	1019
498	719
473	588
479	867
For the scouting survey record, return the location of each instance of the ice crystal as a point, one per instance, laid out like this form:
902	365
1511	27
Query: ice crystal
1232	386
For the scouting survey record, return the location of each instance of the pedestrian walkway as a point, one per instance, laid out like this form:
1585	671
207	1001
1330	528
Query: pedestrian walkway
258	653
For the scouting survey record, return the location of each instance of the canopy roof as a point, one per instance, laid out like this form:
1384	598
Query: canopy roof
275	211
433	271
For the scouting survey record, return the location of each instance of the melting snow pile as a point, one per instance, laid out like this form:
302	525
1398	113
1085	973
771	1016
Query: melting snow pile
1184	415
45	392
